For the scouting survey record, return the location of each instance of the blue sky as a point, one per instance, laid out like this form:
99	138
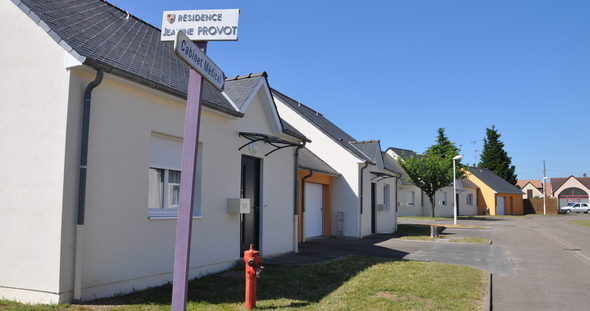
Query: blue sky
398	70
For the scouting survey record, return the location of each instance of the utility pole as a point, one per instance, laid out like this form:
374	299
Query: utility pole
544	189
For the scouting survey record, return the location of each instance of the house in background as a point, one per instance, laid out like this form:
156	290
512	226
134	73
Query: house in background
413	202
71	235
533	188
363	195
571	189
495	195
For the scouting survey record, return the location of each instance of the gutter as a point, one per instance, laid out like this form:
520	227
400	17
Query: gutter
79	246
143	81
361	195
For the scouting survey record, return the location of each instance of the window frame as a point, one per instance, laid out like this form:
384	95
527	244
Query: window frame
167	210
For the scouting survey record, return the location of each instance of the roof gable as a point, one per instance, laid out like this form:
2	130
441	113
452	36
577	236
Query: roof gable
557	183
323	124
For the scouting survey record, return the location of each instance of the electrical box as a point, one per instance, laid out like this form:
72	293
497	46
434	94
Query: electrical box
380	207
238	206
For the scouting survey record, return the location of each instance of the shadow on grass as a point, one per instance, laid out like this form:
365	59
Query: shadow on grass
294	286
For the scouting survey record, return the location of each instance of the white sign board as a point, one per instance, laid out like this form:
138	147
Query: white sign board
201	25
196	59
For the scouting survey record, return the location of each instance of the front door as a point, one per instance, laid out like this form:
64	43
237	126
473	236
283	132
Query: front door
500	206
250	189
373	209
314	202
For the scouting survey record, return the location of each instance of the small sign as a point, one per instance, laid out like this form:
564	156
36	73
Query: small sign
196	59
201	25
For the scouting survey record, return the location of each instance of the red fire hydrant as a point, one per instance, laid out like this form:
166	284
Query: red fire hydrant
253	270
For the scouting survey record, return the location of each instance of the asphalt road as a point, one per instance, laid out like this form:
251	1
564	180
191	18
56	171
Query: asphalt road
537	262
551	258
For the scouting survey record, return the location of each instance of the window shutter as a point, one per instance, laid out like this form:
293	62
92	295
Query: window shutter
165	152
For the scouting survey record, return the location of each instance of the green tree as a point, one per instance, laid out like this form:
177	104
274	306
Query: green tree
443	147
433	170
494	158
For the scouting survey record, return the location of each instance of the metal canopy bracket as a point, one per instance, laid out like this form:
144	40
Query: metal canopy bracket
276	142
381	176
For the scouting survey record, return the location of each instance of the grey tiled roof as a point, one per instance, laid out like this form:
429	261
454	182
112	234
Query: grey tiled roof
110	37
493	181
390	164
468	183
370	148
404	153
308	160
102	35
325	125
239	88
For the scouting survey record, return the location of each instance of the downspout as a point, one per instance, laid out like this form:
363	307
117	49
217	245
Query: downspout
361	196
82	185
396	200
296	198
303	197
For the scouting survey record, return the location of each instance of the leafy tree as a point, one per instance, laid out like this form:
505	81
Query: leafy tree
434	170
495	158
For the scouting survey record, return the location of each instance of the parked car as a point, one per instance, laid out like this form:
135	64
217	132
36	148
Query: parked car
575	207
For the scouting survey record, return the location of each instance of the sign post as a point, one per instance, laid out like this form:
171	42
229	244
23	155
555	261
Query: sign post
202	26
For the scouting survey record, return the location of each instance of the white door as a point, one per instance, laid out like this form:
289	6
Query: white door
313	217
499	205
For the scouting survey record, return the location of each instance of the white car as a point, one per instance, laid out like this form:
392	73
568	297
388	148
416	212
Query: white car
575	207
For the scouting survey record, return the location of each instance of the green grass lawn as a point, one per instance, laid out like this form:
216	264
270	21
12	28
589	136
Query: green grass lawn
422	233
350	283
585	223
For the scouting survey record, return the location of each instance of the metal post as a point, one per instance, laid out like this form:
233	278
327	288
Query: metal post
544	194
185	210
454	194
457	157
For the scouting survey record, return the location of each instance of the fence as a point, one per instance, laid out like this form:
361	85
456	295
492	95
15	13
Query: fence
535	206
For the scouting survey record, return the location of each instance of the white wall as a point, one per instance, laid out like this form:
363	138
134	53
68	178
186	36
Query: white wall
386	219
536	192
33	113
447	210
345	190
124	250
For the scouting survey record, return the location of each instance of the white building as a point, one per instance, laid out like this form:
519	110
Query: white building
413	202
363	195
118	235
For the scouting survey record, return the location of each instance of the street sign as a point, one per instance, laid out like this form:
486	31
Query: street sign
201	25
196	59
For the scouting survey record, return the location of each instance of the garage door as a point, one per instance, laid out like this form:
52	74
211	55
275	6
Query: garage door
313	210
500	206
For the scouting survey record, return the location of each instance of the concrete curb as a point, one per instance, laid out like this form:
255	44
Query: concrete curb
489	306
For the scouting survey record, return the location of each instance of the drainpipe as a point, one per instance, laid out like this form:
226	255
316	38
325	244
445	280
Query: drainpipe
303	197
396	200
296	198
82	185
361	196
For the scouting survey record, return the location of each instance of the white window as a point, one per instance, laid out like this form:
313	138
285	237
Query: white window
164	177
470	199
410	197
386	197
